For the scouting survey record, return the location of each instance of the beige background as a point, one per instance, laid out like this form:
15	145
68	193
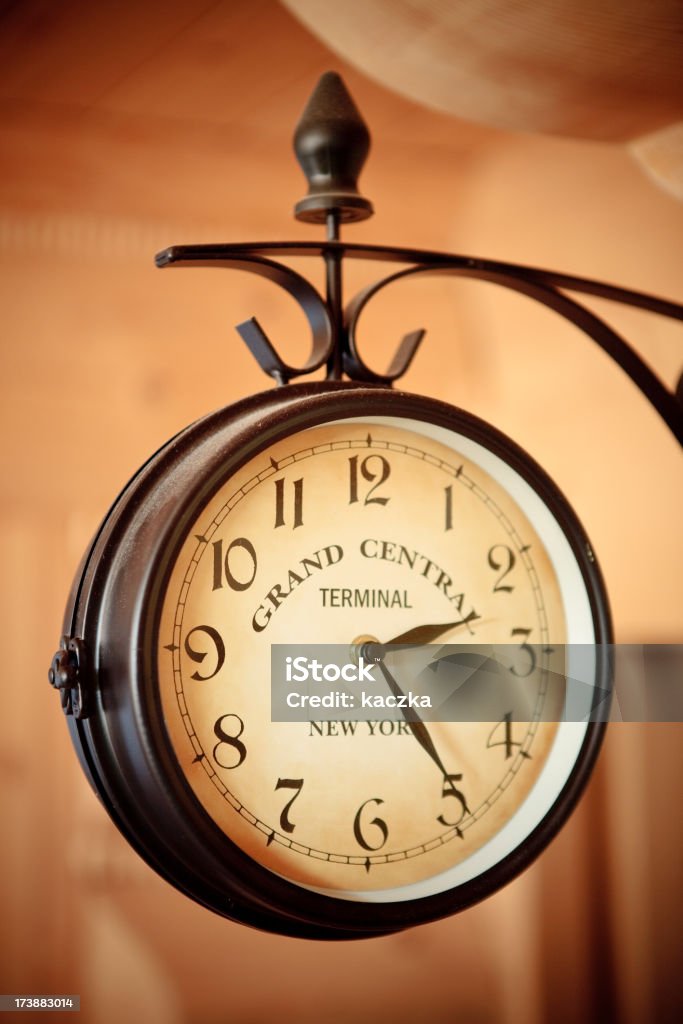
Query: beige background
126	127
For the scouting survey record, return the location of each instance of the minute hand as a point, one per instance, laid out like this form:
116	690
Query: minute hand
419	731
415	723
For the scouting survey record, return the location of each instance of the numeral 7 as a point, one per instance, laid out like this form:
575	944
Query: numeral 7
297	785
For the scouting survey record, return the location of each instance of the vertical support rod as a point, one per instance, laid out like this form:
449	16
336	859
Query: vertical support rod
333	280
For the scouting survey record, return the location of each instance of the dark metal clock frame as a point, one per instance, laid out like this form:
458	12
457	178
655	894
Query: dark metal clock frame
115	610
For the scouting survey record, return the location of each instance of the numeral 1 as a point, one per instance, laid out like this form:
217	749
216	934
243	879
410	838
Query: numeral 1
449	507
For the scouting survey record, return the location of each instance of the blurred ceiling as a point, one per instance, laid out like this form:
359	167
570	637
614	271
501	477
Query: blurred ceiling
600	71
179	114
592	69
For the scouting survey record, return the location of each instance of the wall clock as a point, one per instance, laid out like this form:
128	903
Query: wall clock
342	512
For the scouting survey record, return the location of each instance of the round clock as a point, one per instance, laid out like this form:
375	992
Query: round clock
346	514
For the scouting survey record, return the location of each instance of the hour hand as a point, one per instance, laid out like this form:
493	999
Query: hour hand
420	635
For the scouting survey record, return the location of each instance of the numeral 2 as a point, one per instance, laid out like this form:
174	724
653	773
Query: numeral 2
504	561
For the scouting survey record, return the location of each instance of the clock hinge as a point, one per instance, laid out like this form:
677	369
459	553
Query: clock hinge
68	676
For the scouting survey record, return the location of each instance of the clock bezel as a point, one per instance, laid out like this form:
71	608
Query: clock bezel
117	608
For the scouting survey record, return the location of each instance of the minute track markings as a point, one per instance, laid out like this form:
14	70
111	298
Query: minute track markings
441	839
353	860
203	539
271	836
309	452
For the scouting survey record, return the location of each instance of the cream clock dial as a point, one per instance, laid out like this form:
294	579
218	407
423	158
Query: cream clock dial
336	532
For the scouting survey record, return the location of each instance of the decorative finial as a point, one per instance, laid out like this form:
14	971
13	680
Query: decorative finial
331	143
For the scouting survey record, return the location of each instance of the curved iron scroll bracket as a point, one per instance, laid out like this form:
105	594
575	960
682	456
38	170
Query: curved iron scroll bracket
251	331
334	330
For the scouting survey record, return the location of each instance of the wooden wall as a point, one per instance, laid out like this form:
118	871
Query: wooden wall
126	127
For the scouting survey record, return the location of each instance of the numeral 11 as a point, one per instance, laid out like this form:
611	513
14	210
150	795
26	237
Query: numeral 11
280	502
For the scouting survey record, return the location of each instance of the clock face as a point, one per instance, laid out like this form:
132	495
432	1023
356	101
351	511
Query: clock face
369	529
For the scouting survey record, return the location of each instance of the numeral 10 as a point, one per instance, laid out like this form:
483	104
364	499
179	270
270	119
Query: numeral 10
221	565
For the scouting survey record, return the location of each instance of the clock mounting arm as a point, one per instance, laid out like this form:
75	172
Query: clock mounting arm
332	143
